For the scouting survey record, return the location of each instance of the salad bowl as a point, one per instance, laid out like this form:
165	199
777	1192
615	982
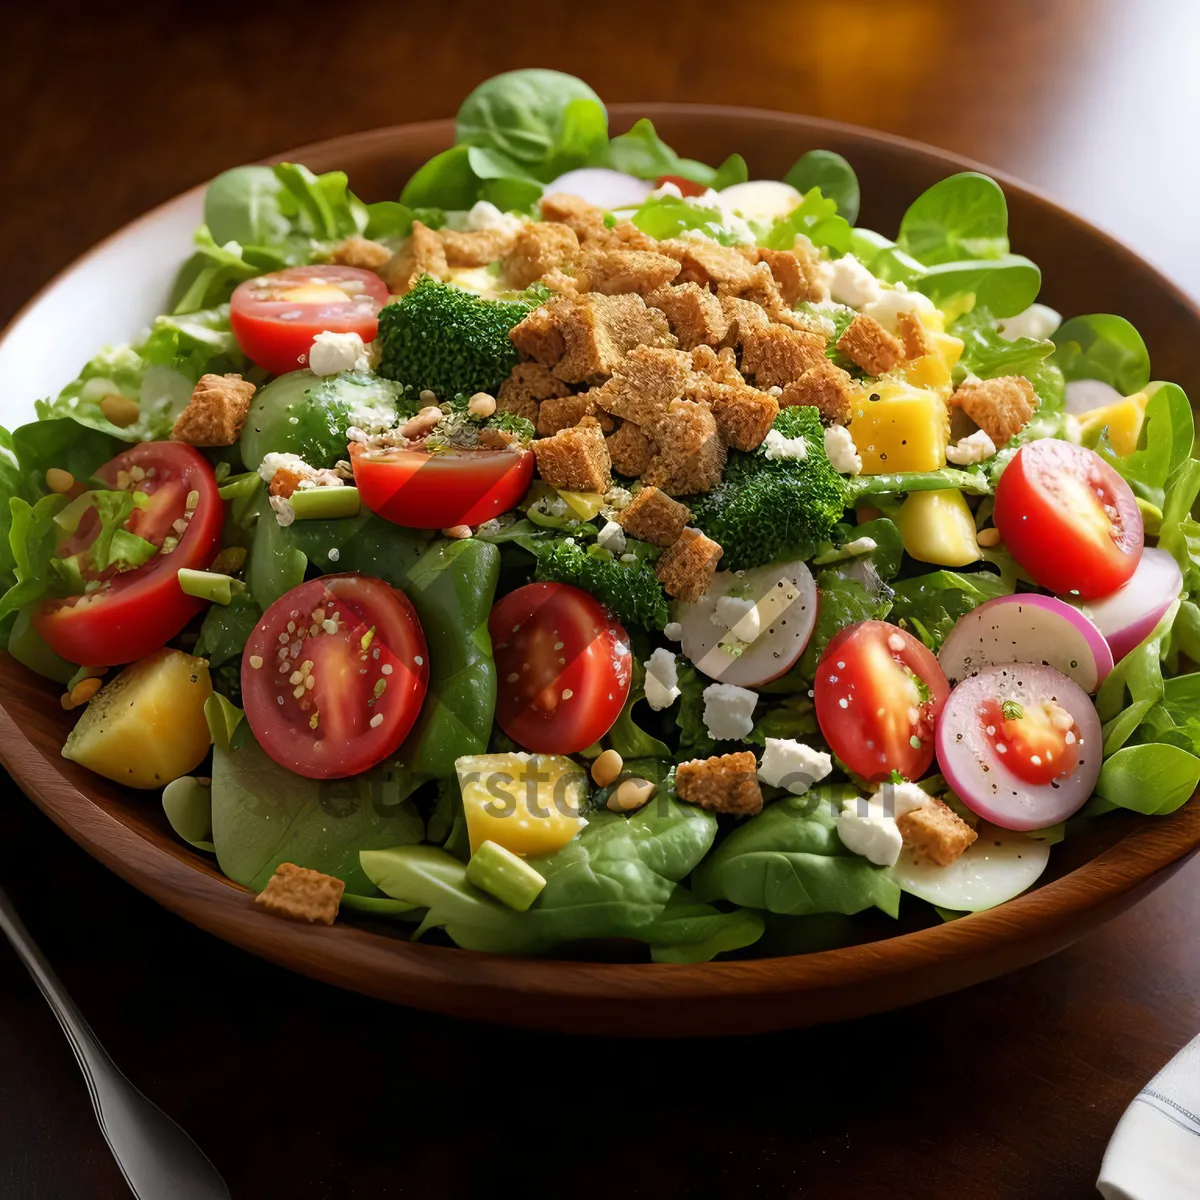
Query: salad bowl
122	284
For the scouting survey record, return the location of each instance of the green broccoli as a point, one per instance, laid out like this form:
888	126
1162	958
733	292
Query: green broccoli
630	591
449	341
769	510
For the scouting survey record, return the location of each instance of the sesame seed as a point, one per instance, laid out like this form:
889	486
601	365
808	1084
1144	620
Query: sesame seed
567	693
513	677
418	660
298	691
329	625
256	661
377	720
310	682
318	615
386	669
334	555
291	627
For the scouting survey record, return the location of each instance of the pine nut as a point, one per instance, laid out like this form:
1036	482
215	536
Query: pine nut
457	531
606	768
481	405
988	537
59	481
119	410
422	423
633	793
84	690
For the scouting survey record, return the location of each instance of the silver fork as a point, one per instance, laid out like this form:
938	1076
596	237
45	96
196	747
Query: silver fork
159	1161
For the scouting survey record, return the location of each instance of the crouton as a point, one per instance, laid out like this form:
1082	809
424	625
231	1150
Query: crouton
719	367
584	219
528	385
695	314
652	516
422	253
360	252
761	290
629	449
826	386
776	355
299	894
867	344
622	236
687	566
563	412
539	336
215	414
644	382
711	265
743	317
615	272
912	335
727	783
476	248
794	275
538	248
743	414
935	833
689	455
1000	407
575	459
598	331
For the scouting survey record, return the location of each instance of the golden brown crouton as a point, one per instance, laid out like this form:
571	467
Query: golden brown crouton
598	331
720	367
743	414
629	450
912	334
528	385
538	248
644	382
574	460
711	265
689	454
776	355
586	220
695	314
476	248
1000	407
727	783
826	386
622	236
744	317
360	252
539	336
563	412
935	833
215	414
762	290
422	253
686	567
652	516
867	344
302	895
615	272
794	275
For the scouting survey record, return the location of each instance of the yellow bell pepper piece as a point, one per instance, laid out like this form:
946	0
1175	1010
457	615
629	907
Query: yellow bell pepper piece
938	528
583	505
905	429
1123	420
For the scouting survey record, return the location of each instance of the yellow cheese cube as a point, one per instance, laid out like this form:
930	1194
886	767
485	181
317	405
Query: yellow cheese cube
527	803
905	429
1123	420
939	528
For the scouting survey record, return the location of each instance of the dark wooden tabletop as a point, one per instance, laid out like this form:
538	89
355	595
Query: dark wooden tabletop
300	1091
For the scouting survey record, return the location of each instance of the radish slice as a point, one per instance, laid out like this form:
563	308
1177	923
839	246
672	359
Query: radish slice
766	614
1027	628
1128	616
997	866
603	187
975	768
1082	395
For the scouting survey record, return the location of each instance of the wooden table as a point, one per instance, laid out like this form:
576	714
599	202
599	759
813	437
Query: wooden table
1009	1090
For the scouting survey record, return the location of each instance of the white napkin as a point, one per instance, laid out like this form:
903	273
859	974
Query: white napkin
1155	1152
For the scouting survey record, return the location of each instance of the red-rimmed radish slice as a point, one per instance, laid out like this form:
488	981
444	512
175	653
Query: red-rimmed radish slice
1027	628
1128	616
1021	745
602	187
997	866
765	616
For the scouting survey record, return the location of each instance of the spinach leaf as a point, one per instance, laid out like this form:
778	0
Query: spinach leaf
885	559
390	221
1180	531
883	257
61	443
1103	346
1150	779
628	738
642	153
789	859
1005	286
844	599
446	181
962	217
1134	685
242	205
27	646
665	217
989	355
817	218
226	628
829	171
792	717
187	802
929	605
694	739
1168	432
690	931
33	538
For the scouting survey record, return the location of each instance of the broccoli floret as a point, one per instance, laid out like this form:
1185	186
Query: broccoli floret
630	591
449	341
768	510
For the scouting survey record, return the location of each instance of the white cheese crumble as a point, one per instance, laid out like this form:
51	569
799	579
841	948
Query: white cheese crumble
728	711
662	679
849	282
673	631
333	353
485	216
972	449
611	537
1038	321
285	514
777	446
790	764
841	451
310	477
729	610
860	545
868	827
897	300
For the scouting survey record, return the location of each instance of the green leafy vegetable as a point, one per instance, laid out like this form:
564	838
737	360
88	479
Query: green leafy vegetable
694	739
1164	448
929	605
187	801
1005	286
1151	779
817	218
630	590
833	175
792	717
1106	347
642	153
665	217
628	738
962	217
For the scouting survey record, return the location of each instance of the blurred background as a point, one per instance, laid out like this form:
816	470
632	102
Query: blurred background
1009	1090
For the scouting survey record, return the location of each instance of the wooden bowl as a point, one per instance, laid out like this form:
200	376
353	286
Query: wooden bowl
1091	879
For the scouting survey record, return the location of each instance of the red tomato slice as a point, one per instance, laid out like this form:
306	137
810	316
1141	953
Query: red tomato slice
878	694
1069	519
564	667
1037	743
275	317
422	490
687	187
135	612
334	674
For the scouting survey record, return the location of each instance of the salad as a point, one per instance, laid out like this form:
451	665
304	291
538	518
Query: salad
594	543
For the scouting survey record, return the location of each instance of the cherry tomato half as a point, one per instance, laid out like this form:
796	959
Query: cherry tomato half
334	674
421	490
1036	742
275	317
564	667
687	187
878	694
1069	519
135	612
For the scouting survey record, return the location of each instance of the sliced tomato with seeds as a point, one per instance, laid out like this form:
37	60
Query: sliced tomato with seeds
334	675
1036	742
878	694
564	667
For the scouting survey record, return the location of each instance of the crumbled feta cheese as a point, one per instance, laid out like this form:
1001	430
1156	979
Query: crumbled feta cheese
850	282
729	610
285	514
617	498
662	679
309	476
629	558
841	451
611	537
1038	321
728	711
555	508
896	799
778	446
673	631
972	449
860	545
484	215
333	353
373	418
864	828
897	300
790	764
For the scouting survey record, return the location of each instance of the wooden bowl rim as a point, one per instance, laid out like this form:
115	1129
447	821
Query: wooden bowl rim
190	886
